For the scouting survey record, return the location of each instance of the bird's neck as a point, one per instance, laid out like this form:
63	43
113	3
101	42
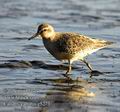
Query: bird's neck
49	37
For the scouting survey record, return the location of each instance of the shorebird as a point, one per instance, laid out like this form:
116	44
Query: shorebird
68	46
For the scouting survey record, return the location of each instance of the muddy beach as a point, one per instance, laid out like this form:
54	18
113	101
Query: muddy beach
31	80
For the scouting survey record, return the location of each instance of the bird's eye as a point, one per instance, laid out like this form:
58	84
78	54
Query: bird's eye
45	30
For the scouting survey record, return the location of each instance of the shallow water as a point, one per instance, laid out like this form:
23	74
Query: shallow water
31	80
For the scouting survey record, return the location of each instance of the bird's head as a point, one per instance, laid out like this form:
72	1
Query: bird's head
45	31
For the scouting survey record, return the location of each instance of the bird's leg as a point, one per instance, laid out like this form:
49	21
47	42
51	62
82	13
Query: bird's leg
92	72
69	68
68	71
88	65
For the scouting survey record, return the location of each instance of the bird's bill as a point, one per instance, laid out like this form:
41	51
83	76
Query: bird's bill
35	35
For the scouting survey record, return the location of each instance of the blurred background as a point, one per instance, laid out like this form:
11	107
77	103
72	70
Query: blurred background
28	82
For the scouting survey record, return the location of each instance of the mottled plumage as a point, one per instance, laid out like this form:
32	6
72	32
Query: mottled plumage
67	45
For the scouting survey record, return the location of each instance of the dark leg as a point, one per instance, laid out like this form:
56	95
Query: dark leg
69	68
68	71
88	65
92	72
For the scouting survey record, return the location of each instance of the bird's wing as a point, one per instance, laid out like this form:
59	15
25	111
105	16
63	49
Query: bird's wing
73	42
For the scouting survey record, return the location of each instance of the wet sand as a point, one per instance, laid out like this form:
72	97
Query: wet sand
31	80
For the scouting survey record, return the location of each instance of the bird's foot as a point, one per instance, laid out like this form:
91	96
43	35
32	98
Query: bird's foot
95	73
67	76
68	71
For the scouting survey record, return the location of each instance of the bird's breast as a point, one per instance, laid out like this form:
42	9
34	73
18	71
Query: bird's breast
54	49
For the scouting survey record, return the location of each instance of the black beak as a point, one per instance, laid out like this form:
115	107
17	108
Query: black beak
35	35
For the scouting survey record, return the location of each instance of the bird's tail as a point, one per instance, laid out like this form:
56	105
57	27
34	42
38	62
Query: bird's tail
102	43
108	43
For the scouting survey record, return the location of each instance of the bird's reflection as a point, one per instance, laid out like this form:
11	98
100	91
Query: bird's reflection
66	96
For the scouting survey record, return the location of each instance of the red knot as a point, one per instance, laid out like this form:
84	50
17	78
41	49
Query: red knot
69	46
